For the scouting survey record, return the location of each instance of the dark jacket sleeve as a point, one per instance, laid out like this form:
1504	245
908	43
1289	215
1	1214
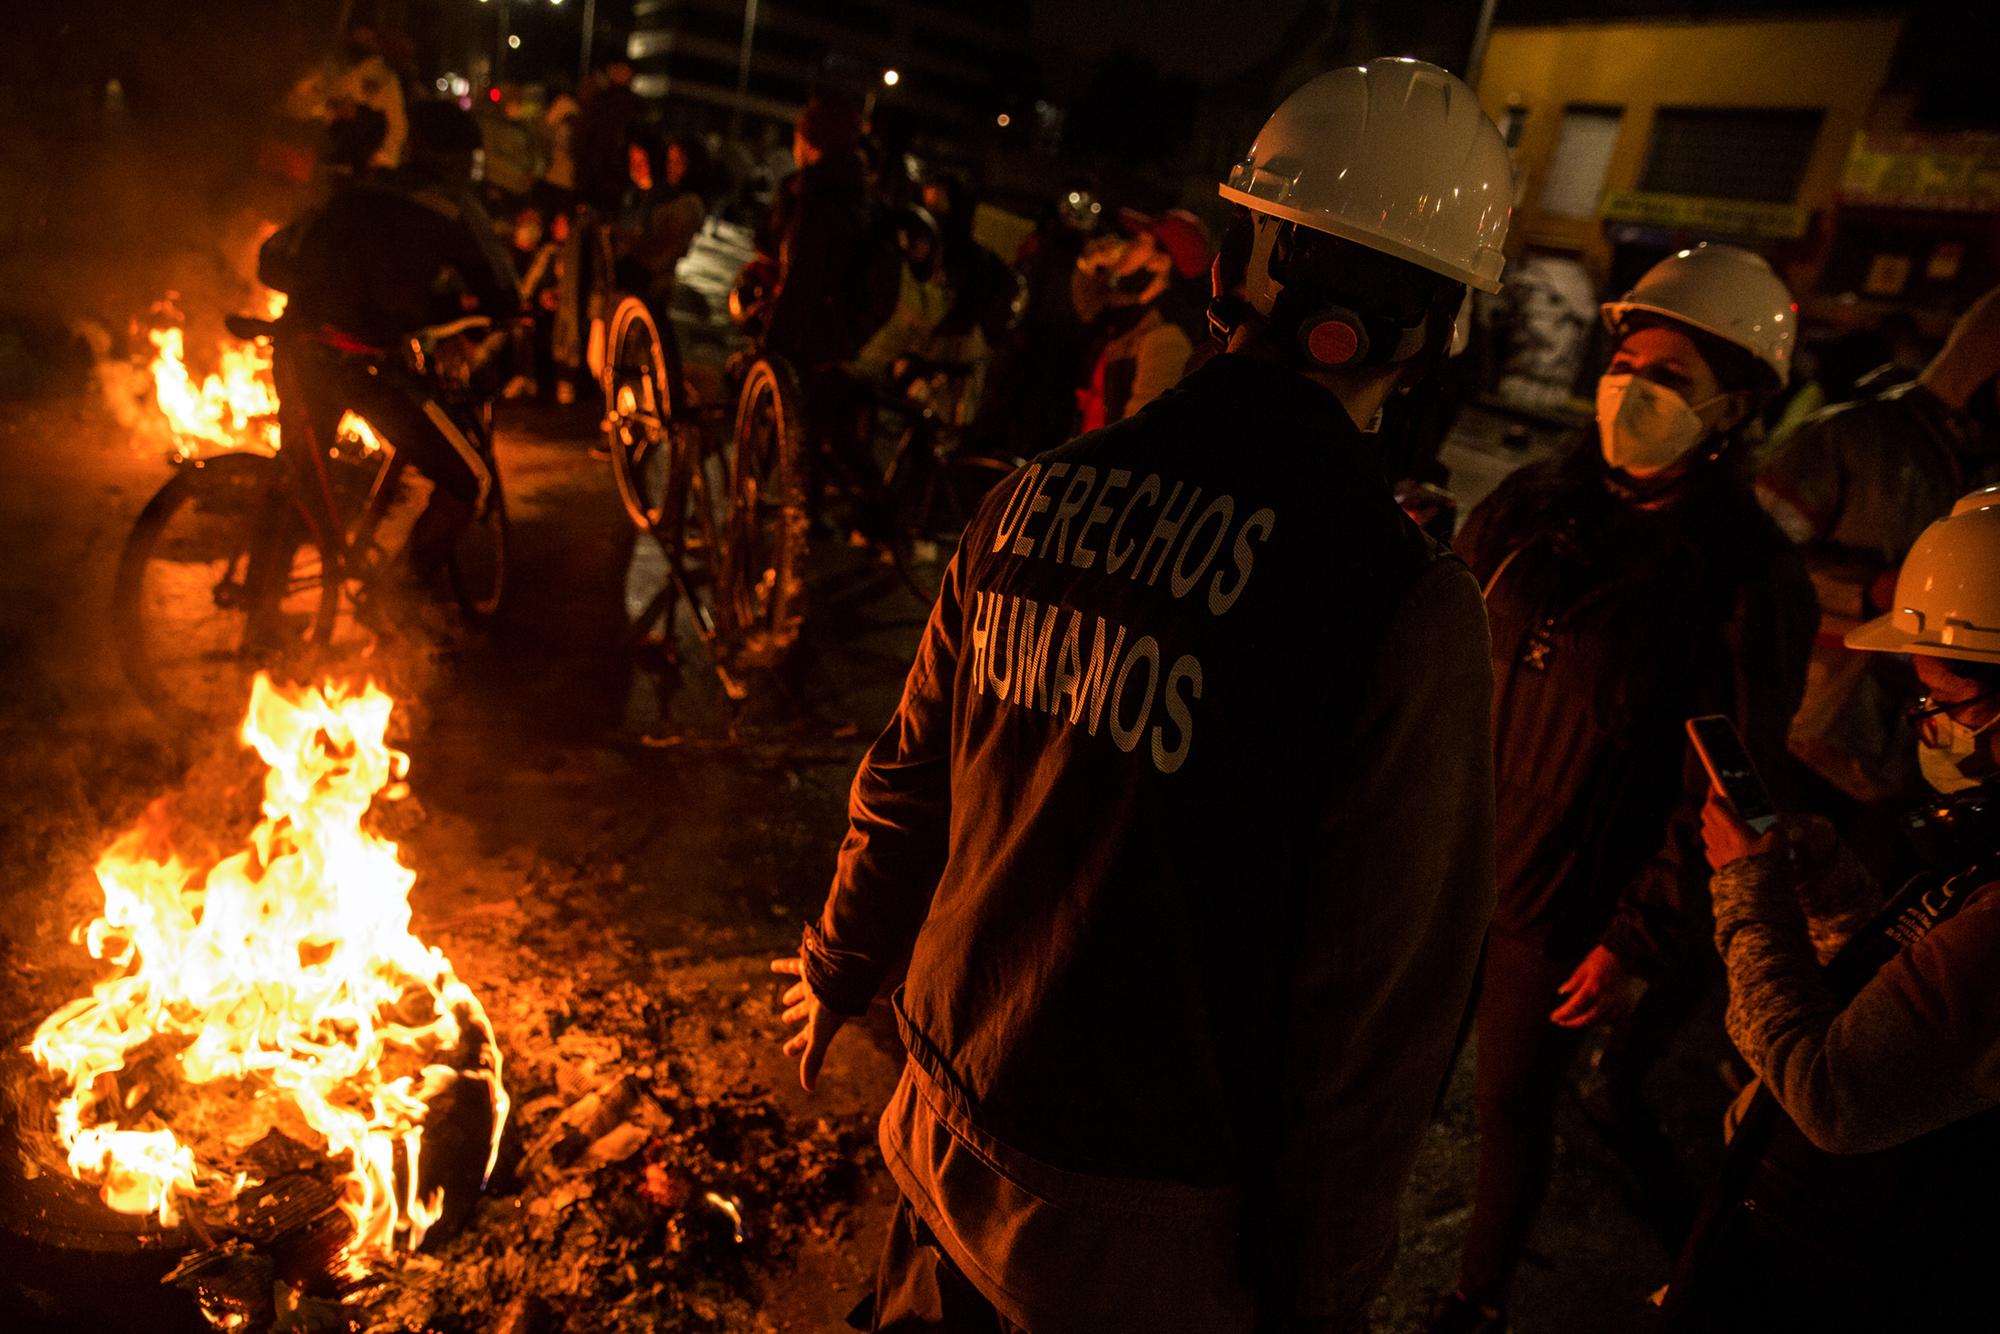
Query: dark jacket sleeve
1398	891
1754	673
898	826
1916	1050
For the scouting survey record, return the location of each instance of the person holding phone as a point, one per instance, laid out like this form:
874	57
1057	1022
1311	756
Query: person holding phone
1629	586
1867	1199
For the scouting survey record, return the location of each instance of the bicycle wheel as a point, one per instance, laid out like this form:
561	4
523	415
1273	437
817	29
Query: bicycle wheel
643	406
478	564
220	578
932	498
761	598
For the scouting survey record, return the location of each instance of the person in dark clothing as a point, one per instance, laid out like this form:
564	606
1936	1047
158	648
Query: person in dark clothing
608	117
1866	1155
821	310
1030	404
387	255
1629	587
819	224
1176	1018
982	288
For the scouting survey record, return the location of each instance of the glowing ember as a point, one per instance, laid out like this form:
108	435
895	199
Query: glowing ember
234	406
287	974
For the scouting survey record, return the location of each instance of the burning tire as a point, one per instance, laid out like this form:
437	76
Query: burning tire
220	577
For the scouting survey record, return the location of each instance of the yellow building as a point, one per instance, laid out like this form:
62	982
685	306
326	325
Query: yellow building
1633	137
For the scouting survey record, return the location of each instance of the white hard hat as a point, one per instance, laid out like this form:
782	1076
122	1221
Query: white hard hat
1394	155
1948	592
1722	290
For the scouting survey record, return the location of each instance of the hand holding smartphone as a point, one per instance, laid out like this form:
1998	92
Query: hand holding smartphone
1727	760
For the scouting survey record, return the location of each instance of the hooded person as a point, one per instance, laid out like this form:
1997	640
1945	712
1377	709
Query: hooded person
818	235
1186	847
1859	1189
1629	586
1854	485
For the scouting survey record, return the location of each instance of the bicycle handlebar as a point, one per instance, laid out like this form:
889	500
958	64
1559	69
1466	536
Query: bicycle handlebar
252	326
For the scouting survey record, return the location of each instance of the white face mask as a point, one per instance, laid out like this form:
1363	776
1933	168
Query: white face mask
1645	428
1942	763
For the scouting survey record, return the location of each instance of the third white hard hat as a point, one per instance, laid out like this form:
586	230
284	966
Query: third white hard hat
1395	155
1723	290
1948	591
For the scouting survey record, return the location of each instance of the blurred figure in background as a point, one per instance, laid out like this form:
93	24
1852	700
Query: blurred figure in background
389	254
559	147
607	114
818	235
356	76
1030	401
662	217
1629	587
1138	290
1854	485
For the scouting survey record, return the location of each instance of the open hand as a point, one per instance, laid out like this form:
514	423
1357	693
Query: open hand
1600	991
809	1044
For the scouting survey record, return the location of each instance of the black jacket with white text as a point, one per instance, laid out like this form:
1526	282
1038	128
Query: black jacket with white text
1184	825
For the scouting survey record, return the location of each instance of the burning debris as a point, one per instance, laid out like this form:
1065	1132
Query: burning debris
234	406
276	991
650	1176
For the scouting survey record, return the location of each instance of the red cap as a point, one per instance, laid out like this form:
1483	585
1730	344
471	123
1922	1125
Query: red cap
1180	233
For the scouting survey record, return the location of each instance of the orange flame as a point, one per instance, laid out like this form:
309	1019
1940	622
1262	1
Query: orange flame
234	406
289	967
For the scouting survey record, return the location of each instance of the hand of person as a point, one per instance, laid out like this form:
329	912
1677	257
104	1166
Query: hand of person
1600	991
1727	838
809	1044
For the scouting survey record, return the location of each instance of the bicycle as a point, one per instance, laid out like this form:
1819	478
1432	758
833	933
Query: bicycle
730	512
244	562
932	483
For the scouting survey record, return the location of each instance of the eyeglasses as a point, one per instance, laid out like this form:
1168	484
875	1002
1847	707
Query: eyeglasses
1928	706
1928	709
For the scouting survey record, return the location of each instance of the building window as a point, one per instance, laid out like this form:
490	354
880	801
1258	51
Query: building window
1731	152
1583	155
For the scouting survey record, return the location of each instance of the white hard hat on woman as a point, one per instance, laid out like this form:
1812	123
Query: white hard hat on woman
1725	309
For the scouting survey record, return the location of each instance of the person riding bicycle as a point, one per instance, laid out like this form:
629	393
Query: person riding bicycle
386	256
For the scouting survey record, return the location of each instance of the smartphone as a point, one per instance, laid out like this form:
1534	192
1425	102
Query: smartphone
1727	760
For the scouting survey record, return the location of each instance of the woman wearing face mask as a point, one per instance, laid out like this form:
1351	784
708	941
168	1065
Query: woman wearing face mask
1629	587
1860	1185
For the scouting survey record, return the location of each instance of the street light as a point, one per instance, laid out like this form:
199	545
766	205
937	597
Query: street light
513	41
890	78
1003	120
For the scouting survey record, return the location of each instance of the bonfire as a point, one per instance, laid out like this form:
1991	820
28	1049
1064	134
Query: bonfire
234	406
276	989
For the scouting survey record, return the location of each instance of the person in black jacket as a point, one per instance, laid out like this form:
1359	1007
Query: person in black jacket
387	255
818	230
1176	1018
1630	587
